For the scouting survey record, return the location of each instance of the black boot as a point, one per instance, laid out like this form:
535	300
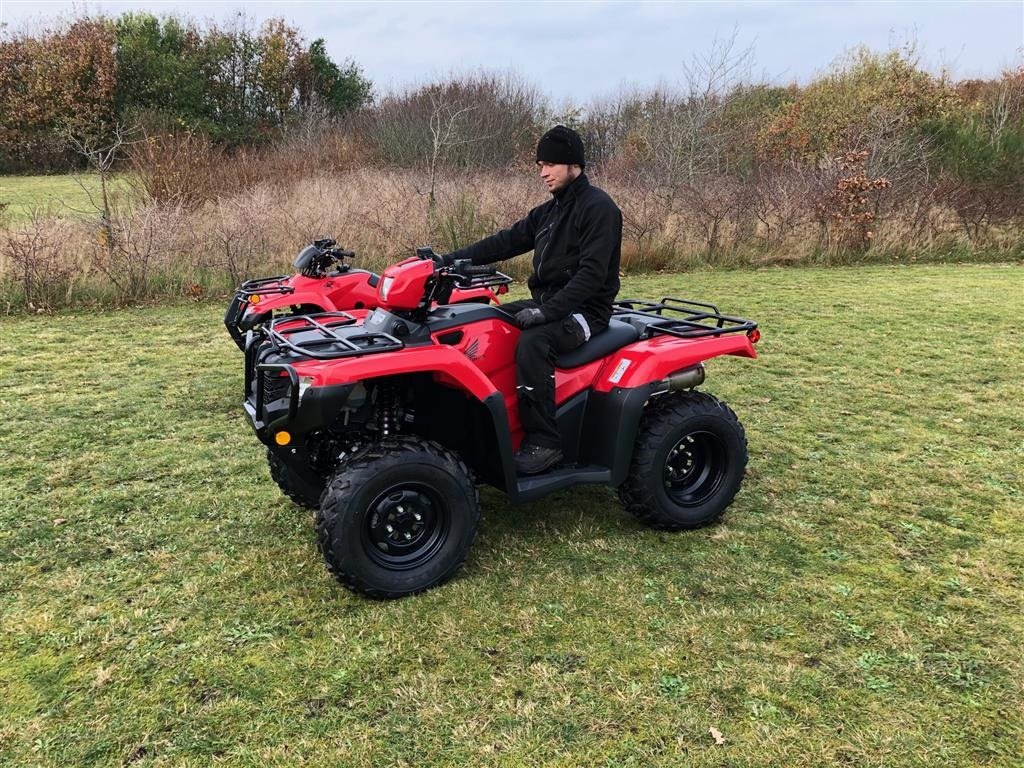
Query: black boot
534	459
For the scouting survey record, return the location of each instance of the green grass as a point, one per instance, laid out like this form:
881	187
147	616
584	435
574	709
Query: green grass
64	195
860	604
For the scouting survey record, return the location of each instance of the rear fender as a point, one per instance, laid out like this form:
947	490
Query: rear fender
654	359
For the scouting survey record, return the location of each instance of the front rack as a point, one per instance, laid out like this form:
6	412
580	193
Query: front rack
324	343
265	285
240	302
688	319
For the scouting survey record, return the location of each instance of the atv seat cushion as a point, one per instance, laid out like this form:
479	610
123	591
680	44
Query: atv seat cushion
617	334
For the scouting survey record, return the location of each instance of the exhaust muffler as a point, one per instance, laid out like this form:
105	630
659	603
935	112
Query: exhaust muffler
685	379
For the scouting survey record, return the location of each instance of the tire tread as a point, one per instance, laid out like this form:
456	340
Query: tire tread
636	495
360	468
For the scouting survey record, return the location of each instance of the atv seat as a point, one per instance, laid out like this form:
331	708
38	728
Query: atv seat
617	334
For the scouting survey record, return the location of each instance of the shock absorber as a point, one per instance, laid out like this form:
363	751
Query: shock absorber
387	410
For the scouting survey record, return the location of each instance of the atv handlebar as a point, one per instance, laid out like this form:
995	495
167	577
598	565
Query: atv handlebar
315	259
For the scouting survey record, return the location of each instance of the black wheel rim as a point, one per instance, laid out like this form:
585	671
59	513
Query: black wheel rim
694	468
405	526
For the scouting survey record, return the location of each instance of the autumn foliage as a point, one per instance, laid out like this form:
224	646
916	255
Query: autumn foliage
237	85
249	143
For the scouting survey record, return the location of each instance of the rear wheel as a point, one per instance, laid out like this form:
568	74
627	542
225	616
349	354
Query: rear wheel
398	518
688	463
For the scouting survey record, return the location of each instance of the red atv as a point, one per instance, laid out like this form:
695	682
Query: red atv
324	283
386	426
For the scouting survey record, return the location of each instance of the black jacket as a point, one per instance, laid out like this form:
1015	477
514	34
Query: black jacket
576	238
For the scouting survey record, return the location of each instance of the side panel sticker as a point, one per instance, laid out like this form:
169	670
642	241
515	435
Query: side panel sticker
620	371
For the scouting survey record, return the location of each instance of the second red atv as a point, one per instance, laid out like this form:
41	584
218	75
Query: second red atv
324	283
386	426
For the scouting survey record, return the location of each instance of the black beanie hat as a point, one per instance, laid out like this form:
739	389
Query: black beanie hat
561	145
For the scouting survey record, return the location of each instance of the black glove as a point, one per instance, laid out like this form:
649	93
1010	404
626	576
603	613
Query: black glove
443	260
529	317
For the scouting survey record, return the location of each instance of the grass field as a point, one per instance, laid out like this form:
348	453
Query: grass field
61	195
861	604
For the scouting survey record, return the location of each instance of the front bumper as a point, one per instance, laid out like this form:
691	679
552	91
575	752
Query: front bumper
273	403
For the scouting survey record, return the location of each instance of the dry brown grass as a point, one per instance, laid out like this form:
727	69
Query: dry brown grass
180	246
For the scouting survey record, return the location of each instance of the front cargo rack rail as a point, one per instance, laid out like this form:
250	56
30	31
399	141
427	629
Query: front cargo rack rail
321	340
683	318
263	286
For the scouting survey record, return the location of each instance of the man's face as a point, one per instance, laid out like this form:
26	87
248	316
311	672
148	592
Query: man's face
556	176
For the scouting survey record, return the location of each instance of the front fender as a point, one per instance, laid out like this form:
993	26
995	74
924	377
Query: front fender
447	365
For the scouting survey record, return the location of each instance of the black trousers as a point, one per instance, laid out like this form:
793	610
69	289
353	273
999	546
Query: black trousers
538	348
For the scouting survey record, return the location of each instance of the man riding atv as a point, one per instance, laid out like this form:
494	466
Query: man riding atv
576	238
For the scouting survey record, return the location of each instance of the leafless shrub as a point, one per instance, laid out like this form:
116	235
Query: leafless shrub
186	168
238	237
467	121
780	202
35	257
144	244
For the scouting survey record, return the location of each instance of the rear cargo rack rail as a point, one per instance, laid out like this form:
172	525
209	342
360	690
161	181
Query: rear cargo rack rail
322	342
688	319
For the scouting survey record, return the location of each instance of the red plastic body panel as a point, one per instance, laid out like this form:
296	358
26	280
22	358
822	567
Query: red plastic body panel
645	361
344	292
483	362
402	285
448	365
349	290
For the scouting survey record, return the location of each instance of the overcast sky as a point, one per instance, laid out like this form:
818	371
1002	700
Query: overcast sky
580	50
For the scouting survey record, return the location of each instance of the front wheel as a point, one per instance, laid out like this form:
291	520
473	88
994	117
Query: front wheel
292	485
688	463
398	518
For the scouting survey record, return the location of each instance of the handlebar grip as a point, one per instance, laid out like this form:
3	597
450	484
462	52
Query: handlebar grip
476	269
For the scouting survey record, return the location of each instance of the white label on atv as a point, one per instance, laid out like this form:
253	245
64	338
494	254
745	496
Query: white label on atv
620	370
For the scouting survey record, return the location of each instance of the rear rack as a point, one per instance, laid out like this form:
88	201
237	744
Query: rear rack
689	319
322	334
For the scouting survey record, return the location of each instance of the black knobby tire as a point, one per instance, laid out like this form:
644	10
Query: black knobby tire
397	518
688	462
290	485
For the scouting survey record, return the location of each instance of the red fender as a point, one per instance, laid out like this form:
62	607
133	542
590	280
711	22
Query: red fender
654	359
448	366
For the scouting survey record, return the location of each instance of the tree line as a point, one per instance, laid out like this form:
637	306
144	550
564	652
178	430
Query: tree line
234	83
240	145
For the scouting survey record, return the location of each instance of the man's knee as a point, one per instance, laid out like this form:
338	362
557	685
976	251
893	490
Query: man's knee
534	344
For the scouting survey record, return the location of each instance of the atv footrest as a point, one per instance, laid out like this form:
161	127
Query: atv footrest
678	317
534	486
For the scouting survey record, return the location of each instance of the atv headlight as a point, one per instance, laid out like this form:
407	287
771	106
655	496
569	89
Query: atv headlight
305	382
385	286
